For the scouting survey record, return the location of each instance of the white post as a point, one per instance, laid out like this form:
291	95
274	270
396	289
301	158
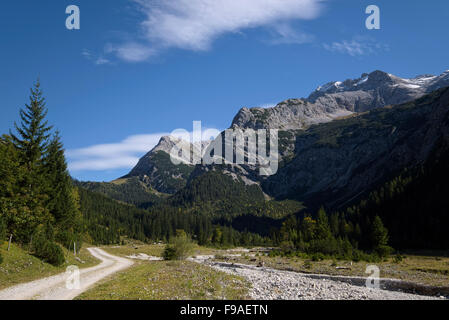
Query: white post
74	248
9	244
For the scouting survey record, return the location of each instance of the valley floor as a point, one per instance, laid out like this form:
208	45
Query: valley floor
137	272
167	280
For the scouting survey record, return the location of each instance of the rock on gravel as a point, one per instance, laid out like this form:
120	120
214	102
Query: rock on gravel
145	257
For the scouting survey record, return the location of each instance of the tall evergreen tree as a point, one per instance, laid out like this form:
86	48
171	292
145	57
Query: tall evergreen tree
32	143
379	234
63	202
323	230
33	132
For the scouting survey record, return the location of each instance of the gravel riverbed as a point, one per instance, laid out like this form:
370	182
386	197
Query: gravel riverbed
271	284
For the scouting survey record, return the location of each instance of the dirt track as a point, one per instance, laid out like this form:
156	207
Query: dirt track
55	288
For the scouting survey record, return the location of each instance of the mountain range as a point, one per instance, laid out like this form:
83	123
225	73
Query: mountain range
335	145
337	99
374	146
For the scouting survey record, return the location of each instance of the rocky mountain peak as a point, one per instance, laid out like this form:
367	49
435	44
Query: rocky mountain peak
167	143
340	98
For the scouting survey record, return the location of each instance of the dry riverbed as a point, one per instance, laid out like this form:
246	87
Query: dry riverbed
271	284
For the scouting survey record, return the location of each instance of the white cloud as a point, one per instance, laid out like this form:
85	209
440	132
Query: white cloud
121	155
285	34
98	60
131	52
124	154
86	53
267	105
196	24
358	46
122	162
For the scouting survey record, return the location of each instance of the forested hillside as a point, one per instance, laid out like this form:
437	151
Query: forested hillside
109	220
126	190
414	205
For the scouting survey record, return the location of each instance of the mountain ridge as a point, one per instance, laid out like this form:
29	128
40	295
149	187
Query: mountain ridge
338	99
354	114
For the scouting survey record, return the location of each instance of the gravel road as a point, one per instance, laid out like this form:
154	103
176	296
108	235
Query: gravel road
271	284
55	288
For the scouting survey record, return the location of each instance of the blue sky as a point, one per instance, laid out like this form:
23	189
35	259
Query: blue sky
138	69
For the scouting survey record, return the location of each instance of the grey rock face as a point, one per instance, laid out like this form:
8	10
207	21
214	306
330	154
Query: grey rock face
334	163
338	99
337	162
157	171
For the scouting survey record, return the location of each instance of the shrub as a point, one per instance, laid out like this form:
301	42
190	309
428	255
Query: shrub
318	257
2	235
47	250
169	253
2	230
287	247
357	256
50	252
328	246
307	264
179	248
274	253
383	251
398	258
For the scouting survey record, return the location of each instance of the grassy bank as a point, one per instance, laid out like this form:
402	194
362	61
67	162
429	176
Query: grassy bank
169	280
19	266
155	250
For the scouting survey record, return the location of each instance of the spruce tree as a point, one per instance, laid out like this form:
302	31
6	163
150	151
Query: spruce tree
379	234
32	142
323	230
33	132
63	202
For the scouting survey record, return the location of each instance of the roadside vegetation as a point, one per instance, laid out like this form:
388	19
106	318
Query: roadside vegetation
19	266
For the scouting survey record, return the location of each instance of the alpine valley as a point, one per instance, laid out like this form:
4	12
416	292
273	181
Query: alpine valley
375	146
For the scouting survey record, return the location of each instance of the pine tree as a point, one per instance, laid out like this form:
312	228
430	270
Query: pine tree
63	197
379	234
33	130
323	230
62	204
31	144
